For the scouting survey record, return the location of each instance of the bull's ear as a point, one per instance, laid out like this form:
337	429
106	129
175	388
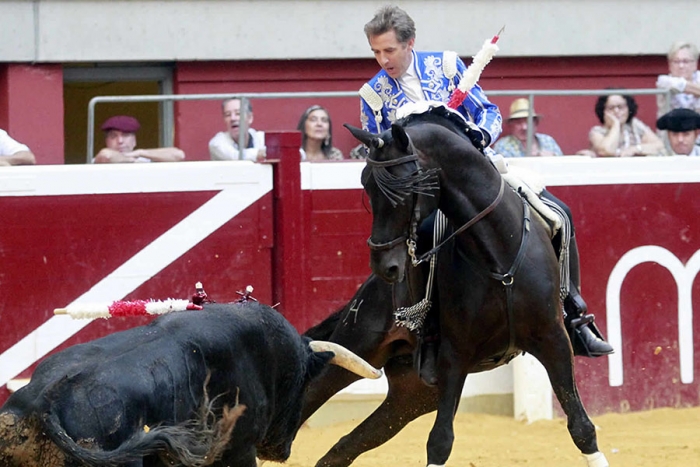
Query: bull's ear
401	139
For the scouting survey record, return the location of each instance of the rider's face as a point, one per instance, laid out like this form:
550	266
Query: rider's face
393	56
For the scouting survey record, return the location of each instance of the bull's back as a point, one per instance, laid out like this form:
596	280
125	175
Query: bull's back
107	388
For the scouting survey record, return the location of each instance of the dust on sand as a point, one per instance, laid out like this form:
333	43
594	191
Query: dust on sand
668	437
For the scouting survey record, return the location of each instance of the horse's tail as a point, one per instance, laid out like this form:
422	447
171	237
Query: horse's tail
196	443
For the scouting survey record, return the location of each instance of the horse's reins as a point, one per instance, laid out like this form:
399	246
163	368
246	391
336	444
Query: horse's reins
393	194
472	221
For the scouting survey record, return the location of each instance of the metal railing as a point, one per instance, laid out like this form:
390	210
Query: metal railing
245	97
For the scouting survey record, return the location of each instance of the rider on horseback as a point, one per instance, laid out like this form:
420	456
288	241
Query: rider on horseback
409	76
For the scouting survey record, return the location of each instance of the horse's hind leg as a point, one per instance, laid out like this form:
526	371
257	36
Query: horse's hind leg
555	355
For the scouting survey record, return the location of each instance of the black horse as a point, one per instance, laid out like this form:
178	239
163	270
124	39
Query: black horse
497	278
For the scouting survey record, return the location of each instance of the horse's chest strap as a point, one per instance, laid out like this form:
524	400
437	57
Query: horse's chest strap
507	280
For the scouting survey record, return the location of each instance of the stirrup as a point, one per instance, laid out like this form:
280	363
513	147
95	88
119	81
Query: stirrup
586	339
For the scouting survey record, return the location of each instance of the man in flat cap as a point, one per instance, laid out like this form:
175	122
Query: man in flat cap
120	141
683	126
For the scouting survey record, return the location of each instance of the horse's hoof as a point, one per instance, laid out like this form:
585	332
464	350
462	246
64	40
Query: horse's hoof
597	459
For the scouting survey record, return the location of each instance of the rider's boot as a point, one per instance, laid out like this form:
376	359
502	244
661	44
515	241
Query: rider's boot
586	338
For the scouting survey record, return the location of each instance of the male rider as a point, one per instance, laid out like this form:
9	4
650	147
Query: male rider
412	76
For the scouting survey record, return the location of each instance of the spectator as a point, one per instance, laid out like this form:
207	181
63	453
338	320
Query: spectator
683	79
514	144
359	152
621	133
13	152
683	126
224	145
317	136
120	141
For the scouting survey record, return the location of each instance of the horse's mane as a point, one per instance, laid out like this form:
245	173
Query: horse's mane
439	116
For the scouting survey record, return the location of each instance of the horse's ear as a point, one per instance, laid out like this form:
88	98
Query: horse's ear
400	138
365	137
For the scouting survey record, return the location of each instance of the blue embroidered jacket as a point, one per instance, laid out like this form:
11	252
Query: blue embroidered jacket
382	95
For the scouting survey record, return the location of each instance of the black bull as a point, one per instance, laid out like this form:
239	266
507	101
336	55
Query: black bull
191	387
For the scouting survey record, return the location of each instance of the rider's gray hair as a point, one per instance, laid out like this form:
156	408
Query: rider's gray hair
391	17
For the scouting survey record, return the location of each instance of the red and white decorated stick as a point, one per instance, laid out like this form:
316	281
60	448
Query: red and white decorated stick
471	76
123	308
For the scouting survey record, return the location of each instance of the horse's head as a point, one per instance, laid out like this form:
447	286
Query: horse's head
400	191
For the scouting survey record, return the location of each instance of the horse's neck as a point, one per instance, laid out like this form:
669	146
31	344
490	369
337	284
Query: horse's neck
467	192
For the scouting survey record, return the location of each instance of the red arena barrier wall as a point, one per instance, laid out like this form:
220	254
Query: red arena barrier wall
297	233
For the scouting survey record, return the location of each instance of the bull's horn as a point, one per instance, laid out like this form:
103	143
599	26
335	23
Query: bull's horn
346	359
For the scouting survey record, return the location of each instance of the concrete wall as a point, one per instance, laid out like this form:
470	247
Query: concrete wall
100	30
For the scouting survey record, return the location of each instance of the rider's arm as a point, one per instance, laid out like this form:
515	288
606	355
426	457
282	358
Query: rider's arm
485	114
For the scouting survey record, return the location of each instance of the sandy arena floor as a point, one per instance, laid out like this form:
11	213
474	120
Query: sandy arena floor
662	437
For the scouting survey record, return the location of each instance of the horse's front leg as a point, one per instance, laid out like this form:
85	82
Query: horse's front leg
450	384
557	359
407	399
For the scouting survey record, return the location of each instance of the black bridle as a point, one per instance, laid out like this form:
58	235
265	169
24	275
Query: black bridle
397	189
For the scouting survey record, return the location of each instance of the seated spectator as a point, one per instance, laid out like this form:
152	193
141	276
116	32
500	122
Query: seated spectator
224	145
120	141
683	126
359	152
13	152
317	136
621	133
683	79
514	144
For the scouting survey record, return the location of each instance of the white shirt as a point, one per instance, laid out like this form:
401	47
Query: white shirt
9	146
410	84
222	147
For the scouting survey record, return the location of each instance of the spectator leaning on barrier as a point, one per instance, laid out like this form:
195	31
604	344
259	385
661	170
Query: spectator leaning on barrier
683	79
224	145
683	126
514	144
317	136
120	141
621	133
13	152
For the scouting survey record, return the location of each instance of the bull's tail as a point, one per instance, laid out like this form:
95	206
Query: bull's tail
195	443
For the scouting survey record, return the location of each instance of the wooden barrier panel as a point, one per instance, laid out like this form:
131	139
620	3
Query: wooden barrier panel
92	233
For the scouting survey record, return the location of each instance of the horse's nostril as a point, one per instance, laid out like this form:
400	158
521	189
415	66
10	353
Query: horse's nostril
392	273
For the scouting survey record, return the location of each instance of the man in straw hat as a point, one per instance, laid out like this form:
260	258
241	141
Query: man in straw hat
514	145
683	126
